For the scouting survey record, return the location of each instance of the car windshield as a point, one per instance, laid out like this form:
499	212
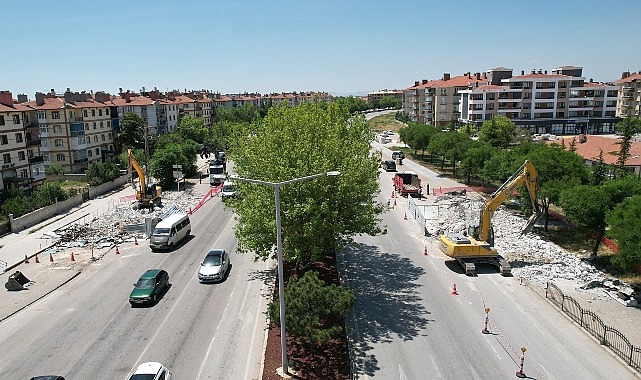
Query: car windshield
212	261
216	170
228	188
143	377
161	231
145	283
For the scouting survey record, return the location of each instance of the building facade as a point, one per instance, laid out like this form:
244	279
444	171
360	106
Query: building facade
629	99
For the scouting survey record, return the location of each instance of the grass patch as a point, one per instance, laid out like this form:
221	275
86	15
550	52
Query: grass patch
385	122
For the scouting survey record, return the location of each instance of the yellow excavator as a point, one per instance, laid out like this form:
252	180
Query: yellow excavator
147	195
476	245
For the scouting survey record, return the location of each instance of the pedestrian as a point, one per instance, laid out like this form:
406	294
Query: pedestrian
200	177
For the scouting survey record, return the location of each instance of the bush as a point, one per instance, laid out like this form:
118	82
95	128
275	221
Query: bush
314	311
99	173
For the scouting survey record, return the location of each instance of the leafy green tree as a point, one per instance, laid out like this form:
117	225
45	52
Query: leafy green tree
557	169
99	172
451	146
390	102
585	206
17	204
163	161
192	129
625	224
317	215
55	169
498	131
48	193
314	309
477	154
353	104
599	171
627	128
132	131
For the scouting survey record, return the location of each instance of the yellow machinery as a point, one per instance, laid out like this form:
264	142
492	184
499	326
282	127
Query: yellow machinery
477	244
147	195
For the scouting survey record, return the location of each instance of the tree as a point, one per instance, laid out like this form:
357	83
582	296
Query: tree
449	145
625	224
313	308
317	215
132	131
599	171
194	129
627	128
98	173
163	161
585	206
477	154
498	131
390	102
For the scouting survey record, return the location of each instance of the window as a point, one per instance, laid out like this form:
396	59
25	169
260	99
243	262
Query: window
93	113
44	141
444	91
101	125
562	94
94	125
1	120
97	151
88	140
107	111
6	158
18	137
59	142
42	115
84	112
24	173
90	153
4	140
21	155
95	138
55	115
100	112
560	105
60	157
81	140
102	137
57	129
16	119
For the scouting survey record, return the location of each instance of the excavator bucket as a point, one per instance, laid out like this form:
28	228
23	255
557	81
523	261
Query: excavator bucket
16	281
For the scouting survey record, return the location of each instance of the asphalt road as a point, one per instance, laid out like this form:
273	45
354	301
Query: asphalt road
407	324
88	330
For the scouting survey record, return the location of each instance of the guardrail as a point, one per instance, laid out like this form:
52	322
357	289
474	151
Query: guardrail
588	320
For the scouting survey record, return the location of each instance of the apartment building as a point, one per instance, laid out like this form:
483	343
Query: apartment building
76	129
22	167
141	105
377	96
196	104
437	102
558	103
629	99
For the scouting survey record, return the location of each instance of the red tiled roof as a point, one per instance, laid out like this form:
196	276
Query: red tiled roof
591	148
631	78
134	100
50	103
17	107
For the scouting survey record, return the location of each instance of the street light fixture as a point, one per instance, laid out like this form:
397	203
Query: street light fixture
279	249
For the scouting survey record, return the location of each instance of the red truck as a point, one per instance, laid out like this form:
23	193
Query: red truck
407	184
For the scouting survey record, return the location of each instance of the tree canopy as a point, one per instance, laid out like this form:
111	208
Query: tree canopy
132	127
498	131
318	214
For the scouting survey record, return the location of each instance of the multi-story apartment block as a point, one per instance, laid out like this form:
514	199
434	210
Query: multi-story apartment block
557	103
196	104
437	102
22	166
629	99
141	105
377	96
76	129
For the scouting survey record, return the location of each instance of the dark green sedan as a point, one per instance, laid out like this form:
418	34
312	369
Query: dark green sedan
149	287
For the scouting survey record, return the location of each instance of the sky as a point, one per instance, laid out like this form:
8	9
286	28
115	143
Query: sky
348	47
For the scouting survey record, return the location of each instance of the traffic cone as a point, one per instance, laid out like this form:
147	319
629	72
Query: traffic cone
117	251
37	261
394	201
424	250
190	211
26	260
72	258
392	193
135	240
51	258
454	292
405	217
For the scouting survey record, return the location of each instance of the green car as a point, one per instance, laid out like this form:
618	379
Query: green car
149	287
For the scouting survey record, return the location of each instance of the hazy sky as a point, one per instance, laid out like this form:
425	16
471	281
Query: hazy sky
342	47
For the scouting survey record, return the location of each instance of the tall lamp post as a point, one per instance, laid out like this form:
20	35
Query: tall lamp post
279	249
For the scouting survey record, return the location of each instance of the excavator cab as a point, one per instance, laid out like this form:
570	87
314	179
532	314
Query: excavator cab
475	230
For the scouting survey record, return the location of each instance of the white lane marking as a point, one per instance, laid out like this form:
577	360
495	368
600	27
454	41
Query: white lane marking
435	366
211	343
256	320
401	373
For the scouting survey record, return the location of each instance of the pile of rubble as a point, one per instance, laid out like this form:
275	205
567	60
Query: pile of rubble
531	256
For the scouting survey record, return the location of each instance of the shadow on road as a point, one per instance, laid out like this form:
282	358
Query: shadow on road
388	302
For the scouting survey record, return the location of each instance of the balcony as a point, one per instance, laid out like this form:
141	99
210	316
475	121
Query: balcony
36	159
33	142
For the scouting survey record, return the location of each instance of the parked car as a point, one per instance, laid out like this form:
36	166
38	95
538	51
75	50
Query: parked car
151	371
214	266
149	287
48	377
389	165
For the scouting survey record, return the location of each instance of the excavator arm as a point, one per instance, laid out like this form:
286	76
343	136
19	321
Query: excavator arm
526	174
141	173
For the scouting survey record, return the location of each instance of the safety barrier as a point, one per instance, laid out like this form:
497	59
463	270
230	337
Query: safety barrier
588	320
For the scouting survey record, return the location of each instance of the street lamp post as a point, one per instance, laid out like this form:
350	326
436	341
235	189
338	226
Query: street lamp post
279	249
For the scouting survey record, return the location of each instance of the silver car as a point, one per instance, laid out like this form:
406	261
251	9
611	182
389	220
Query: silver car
214	266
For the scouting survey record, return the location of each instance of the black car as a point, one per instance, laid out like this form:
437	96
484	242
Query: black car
398	154
389	166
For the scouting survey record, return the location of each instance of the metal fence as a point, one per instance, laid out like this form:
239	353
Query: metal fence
607	335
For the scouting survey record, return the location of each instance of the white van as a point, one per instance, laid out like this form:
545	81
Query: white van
170	231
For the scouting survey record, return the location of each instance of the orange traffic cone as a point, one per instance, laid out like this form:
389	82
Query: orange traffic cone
72	258
394	201
424	250
135	240
26	260
405	217
51	258
117	251
392	193
454	292
37	261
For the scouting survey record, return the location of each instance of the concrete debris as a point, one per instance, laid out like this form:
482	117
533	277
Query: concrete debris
119	224
532	257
